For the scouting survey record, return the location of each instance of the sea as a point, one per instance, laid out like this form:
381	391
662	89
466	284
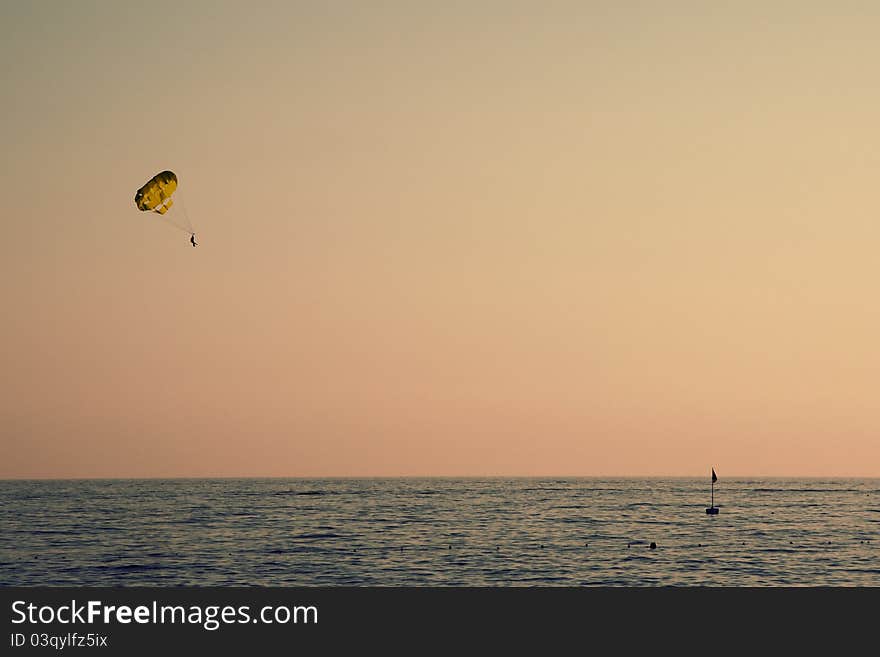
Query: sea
455	532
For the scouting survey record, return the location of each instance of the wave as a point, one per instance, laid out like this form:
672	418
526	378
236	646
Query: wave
806	490
321	491
319	536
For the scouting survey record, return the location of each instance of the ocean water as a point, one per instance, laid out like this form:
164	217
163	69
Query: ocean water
440	532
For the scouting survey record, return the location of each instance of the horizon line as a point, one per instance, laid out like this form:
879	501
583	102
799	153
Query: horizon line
416	476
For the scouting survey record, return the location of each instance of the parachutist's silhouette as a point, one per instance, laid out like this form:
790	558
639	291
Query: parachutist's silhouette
193	239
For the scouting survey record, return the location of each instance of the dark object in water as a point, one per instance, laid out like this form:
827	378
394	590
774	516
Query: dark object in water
713	510
653	545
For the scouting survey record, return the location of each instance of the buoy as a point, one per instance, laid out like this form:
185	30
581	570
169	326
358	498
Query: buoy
713	510
653	545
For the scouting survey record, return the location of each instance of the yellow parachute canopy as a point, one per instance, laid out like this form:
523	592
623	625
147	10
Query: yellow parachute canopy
156	194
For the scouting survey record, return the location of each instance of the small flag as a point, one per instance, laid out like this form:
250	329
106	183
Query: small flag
714	476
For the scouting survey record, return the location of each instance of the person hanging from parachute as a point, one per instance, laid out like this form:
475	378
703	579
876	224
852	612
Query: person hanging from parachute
156	196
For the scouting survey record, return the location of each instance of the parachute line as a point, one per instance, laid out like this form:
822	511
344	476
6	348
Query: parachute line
186	220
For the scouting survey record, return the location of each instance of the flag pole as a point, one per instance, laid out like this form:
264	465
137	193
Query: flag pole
712	510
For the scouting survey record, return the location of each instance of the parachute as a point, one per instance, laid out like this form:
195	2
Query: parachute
156	196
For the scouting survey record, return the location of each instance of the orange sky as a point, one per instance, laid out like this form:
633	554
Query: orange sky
461	238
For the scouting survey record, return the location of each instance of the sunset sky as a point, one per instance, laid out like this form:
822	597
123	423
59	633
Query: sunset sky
441	238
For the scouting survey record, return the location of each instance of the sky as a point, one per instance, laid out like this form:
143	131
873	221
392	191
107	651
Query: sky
461	238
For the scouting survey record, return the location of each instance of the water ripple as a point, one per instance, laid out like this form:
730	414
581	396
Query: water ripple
449	532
